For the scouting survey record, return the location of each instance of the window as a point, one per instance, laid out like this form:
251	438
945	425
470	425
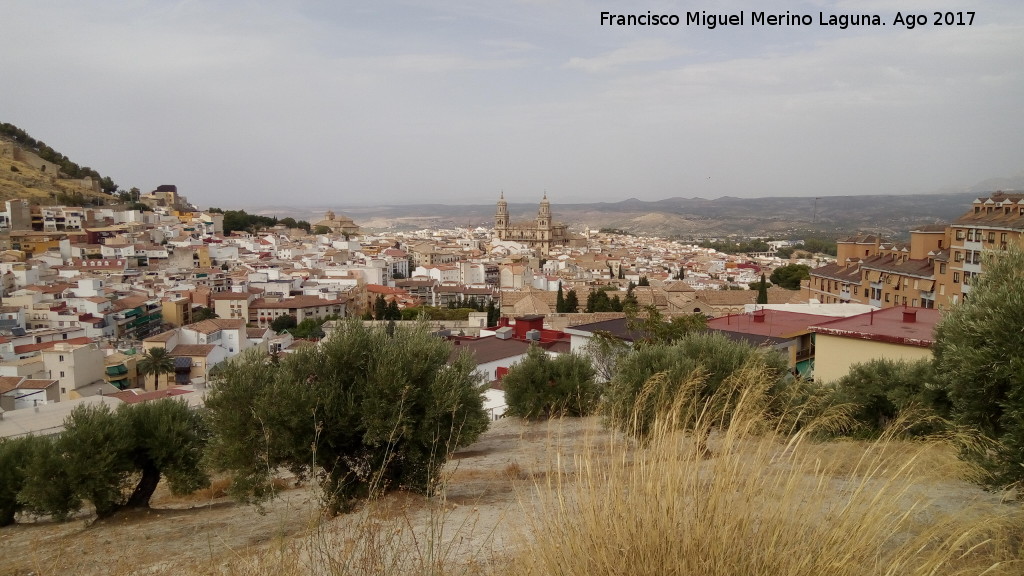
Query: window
942	268
887	297
958	256
914	303
959	233
1003	237
991	237
60	358
956	277
61	373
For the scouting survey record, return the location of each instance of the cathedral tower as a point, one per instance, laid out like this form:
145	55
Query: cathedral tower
501	218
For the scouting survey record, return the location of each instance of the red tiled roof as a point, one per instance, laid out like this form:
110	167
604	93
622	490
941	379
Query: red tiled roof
47	345
887	325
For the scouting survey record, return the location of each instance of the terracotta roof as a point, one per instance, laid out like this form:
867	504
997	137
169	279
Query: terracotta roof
215	324
134	396
488	349
36	384
777	323
8	383
47	345
193	350
162	337
887	325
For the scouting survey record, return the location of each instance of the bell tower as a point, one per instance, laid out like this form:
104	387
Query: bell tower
544	219
501	218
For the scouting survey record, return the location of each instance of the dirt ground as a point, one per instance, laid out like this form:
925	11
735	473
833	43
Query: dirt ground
477	520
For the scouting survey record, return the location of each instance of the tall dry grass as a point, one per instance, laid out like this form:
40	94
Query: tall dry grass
719	487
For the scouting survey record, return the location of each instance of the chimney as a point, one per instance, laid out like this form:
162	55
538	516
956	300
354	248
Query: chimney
909	316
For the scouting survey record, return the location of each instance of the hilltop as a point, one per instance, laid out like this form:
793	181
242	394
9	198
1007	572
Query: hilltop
32	170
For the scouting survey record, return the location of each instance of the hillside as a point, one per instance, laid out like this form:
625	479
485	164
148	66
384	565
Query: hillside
889	215
24	174
498	494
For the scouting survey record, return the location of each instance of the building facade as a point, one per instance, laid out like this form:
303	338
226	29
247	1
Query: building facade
541	234
934	270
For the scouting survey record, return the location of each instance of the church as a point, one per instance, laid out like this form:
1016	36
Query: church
540	234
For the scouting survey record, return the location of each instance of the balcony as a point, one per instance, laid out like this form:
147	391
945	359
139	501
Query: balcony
804	354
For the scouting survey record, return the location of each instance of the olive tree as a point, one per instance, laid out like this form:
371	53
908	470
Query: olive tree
977	351
543	387
116	458
367	411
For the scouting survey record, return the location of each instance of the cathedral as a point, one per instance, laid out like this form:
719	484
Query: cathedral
540	234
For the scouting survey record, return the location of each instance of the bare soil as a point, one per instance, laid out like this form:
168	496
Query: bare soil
476	520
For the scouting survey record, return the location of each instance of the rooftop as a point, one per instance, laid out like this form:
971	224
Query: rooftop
897	325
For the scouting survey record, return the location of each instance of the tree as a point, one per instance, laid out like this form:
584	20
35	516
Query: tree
380	308
288	222
977	352
203	313
284	322
762	291
544	387
790	276
884	390
656	330
116	459
365	412
560	300
392	312
644	281
572	302
15	453
703	360
322	230
156	361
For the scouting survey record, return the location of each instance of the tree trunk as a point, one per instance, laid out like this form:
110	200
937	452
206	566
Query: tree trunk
145	488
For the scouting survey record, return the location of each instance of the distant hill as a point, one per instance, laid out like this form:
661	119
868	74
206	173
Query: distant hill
891	216
32	170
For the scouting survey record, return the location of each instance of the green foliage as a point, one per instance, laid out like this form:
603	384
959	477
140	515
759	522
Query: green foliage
365	412
544	387
380	307
762	291
15	454
656	330
977	351
322	230
436	313
242	220
790	276
643	281
886	390
560	307
635	397
598	301
572	302
67	167
156	361
203	313
282	323
116	459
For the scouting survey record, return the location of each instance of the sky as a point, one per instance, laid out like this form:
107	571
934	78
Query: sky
294	102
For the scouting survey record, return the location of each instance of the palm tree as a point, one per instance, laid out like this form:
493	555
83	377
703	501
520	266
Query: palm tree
156	361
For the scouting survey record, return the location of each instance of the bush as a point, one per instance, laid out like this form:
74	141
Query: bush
885	391
115	459
977	352
367	411
636	397
14	456
543	387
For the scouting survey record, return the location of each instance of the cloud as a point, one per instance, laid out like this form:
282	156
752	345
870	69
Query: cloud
640	52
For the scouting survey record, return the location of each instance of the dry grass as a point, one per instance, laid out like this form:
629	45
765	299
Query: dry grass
754	498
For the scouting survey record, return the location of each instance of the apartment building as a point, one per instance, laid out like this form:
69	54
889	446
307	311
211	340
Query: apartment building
934	270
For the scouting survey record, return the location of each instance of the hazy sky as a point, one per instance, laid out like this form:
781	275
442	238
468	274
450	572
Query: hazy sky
292	102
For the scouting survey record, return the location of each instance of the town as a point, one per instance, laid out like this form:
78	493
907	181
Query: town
91	293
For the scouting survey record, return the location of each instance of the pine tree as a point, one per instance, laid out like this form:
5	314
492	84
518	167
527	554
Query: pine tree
572	302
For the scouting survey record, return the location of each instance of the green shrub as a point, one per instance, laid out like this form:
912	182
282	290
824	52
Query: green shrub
543	387
636	397
370	409
886	391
